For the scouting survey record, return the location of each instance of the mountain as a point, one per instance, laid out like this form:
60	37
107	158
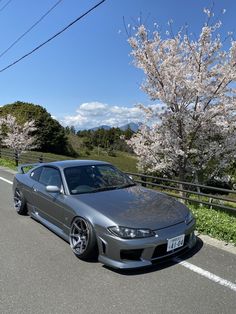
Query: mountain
133	126
104	127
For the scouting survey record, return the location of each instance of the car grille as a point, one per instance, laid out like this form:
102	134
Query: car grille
161	250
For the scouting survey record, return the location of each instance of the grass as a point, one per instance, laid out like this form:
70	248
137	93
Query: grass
7	163
215	223
123	161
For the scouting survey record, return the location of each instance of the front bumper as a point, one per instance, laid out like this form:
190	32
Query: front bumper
133	253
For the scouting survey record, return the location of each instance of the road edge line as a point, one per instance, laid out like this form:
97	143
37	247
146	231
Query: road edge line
5	180
206	274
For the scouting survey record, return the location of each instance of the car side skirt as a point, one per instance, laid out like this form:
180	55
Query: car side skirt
50	226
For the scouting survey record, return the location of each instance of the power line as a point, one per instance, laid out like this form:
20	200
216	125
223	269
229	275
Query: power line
5	5
28	30
54	36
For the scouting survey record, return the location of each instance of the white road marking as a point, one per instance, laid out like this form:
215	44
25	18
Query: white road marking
5	180
207	274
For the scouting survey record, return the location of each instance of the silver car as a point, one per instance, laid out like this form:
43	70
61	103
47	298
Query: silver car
102	213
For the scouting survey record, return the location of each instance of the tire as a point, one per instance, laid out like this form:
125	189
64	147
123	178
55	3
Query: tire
20	203
83	241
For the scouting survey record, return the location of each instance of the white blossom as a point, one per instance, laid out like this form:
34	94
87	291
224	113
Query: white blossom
193	80
207	12
18	137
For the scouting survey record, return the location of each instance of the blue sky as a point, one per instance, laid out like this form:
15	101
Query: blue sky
85	77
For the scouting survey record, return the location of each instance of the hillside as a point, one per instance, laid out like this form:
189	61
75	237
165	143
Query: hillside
123	160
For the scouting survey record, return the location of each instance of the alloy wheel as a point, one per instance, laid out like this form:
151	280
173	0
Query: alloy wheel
79	236
17	201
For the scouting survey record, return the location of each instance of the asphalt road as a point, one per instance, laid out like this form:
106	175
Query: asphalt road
39	274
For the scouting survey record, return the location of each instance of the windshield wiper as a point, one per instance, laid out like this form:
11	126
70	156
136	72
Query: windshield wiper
105	188
125	186
108	188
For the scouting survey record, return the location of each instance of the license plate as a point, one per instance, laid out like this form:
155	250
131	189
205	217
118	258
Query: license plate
176	242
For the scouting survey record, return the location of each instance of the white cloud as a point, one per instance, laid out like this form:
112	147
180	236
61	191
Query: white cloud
89	106
93	114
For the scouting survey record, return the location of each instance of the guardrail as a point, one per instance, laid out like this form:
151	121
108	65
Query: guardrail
190	191
26	157
187	191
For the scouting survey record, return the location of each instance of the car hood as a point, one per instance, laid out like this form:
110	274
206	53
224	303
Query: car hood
136	207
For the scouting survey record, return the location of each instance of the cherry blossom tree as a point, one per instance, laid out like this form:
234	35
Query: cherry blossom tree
190	132
17	137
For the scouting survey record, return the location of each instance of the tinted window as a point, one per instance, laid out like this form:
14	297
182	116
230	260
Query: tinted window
35	174
95	178
50	176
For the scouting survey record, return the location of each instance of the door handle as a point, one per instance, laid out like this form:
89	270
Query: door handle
35	190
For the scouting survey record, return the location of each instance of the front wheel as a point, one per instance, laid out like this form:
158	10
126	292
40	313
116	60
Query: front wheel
20	203
83	239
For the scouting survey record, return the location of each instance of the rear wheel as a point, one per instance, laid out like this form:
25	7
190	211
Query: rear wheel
83	240
20	203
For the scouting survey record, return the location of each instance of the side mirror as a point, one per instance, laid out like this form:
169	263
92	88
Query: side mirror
53	189
131	178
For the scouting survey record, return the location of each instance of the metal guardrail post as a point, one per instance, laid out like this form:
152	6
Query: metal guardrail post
144	179
16	159
41	158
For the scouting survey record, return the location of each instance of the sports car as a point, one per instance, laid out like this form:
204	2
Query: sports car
103	213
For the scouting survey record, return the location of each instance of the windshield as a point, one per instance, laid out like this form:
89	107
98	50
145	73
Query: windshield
95	178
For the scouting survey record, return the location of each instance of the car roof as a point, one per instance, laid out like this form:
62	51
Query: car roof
74	163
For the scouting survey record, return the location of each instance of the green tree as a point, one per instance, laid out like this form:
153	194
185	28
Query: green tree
72	130
110	140
51	136
128	133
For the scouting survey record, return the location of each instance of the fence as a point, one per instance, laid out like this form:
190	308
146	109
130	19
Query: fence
187	191
27	157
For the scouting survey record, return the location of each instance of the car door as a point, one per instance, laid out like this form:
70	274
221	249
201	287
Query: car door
49	205
30	180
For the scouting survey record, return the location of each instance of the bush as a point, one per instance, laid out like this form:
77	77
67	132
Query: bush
215	223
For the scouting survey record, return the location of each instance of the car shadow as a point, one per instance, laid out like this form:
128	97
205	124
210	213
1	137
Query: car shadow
92	259
161	264
158	265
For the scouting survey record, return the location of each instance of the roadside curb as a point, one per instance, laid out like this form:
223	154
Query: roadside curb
228	247
8	170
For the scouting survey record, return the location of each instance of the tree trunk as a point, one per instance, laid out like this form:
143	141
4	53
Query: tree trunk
181	185
198	188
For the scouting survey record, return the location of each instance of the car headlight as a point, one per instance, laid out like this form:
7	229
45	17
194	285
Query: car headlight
131	233
189	218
